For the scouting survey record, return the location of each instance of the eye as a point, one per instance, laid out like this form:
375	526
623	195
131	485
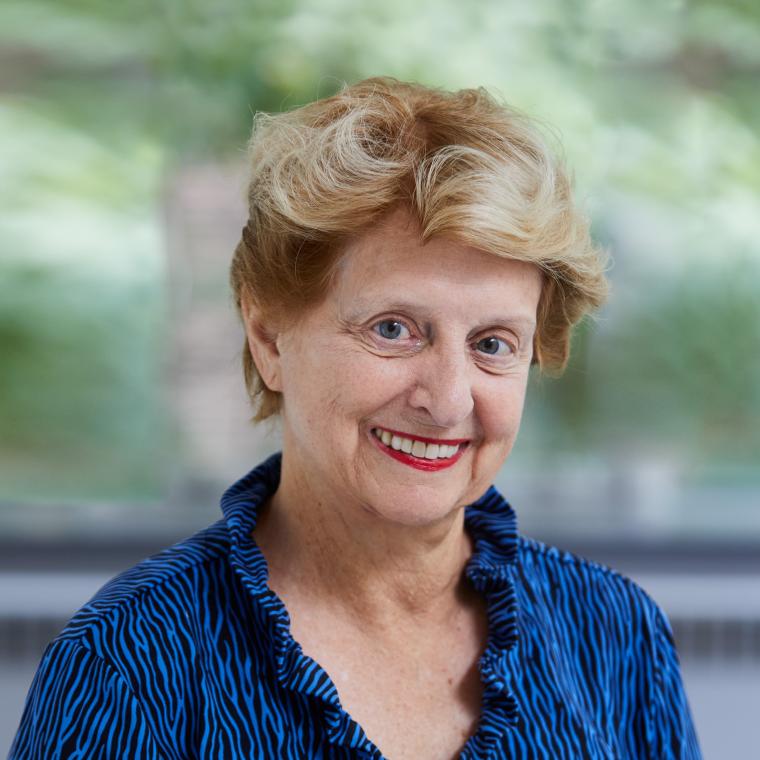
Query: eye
391	329
494	346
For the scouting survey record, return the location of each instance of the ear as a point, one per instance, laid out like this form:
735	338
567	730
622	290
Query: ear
262	342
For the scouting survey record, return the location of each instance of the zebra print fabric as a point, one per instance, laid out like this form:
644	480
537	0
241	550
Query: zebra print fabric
189	655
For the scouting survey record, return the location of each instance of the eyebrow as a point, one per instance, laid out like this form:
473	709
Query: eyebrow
361	305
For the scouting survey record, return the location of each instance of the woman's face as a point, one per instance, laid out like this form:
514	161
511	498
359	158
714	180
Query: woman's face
432	344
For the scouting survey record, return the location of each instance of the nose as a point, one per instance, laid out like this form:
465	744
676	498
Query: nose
443	387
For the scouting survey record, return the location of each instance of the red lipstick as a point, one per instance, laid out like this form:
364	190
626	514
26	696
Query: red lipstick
428	465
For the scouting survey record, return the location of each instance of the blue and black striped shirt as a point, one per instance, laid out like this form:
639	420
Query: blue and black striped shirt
189	655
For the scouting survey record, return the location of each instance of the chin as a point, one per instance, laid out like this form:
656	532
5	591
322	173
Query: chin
413	507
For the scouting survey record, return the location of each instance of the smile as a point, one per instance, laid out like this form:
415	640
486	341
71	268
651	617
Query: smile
421	453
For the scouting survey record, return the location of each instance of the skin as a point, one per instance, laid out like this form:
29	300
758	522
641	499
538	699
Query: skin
368	550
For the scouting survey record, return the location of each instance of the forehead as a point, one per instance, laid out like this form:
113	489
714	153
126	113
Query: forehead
390	263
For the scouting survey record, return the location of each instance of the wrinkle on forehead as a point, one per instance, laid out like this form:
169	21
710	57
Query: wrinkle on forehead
383	279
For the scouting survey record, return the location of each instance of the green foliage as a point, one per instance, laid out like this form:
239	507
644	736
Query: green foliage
686	360
81	315
678	371
81	356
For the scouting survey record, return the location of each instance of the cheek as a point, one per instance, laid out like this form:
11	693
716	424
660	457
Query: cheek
357	378
332	383
500	410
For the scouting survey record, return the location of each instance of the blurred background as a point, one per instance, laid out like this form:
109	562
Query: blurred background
122	410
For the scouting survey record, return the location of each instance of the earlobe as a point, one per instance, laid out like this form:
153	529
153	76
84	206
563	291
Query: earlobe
262	343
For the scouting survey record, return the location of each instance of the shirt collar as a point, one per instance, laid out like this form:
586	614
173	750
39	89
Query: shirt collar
492	524
490	520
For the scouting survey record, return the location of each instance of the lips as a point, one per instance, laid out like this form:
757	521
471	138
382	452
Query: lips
417	451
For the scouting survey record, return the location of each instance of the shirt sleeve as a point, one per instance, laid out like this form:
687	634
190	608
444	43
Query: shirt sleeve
672	732
80	706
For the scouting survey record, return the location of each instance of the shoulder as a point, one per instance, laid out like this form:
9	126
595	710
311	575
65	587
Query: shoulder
159	591
542	561
581	586
593	626
141	631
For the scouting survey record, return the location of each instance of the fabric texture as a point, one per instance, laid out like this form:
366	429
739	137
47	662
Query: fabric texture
189	655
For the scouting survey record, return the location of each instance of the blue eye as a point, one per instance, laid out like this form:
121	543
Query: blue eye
391	329
493	346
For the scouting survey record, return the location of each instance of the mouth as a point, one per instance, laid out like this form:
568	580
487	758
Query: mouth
417	451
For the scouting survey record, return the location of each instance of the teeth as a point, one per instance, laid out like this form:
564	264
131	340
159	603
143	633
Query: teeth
416	448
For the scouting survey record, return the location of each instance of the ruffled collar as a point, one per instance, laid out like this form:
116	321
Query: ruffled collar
492	524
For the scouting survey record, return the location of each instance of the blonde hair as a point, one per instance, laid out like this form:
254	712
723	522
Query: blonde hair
466	167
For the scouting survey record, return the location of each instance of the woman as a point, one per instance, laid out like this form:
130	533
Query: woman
409	254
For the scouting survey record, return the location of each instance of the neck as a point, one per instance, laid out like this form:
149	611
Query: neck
345	557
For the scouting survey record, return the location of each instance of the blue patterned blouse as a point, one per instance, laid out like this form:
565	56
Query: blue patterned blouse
189	655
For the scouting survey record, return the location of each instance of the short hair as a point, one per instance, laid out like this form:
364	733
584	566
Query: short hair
466	166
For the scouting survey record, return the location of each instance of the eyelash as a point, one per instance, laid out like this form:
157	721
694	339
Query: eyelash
375	329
